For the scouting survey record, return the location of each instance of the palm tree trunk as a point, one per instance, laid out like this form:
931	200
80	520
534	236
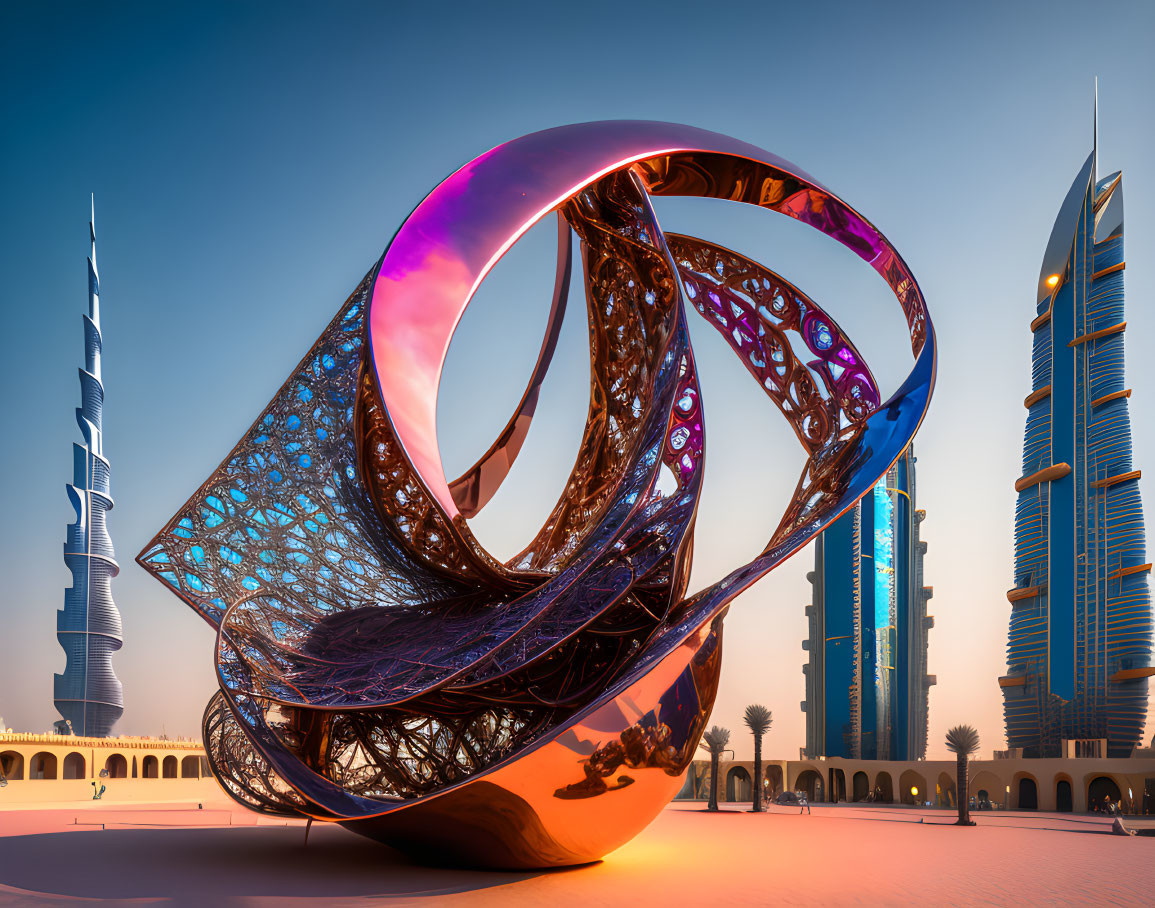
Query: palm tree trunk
713	805
964	814
757	773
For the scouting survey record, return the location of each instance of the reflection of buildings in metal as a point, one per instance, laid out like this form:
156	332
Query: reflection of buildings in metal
1079	651
867	687
378	667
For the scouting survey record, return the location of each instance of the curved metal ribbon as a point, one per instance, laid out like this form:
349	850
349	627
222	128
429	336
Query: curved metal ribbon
378	667
473	489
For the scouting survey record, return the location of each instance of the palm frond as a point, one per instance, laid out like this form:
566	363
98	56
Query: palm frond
758	718
715	740
962	739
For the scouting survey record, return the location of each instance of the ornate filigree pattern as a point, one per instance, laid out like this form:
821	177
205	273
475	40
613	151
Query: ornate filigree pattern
377	666
633	304
763	317
240	768
286	513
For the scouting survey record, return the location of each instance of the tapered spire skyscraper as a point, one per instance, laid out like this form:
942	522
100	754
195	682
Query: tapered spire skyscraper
88	694
1079	651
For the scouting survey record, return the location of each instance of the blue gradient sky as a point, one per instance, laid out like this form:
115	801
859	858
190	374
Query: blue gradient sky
250	161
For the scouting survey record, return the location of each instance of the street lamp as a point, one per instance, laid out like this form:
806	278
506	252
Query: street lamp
914	794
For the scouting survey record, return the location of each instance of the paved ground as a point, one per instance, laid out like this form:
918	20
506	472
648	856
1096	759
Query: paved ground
839	855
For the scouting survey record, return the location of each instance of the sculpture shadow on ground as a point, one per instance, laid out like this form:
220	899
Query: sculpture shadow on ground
215	865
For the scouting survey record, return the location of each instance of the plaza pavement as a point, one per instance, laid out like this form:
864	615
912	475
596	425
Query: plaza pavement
839	855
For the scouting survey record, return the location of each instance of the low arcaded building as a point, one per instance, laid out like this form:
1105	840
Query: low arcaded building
130	768
1058	784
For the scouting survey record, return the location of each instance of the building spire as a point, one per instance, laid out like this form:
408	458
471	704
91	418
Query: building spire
1095	137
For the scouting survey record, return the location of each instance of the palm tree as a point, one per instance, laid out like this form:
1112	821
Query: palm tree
715	741
964	741
758	720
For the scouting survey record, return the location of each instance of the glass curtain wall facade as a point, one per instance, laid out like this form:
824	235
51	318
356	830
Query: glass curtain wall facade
88	694
1079	647
867	687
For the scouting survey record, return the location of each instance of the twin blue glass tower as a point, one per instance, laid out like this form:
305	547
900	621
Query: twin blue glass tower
867	688
1079	648
88	694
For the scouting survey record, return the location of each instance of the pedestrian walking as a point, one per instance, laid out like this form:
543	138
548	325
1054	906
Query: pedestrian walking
805	806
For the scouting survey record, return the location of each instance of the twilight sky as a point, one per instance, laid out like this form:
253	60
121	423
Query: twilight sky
250	161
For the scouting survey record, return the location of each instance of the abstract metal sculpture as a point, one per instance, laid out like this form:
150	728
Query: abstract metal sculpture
377	666
88	694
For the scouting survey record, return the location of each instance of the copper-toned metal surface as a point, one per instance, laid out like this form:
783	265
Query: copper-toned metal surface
378	667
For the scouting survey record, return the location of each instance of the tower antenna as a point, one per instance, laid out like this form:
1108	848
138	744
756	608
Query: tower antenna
1095	128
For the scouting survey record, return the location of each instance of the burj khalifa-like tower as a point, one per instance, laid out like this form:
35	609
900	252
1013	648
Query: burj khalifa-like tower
88	694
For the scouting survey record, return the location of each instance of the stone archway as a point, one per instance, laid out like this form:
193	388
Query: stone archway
912	780
860	786
149	767
837	787
809	782
189	767
73	767
987	789
1026	791
169	767
739	785
12	765
946	791
1101	788
1064	794
42	766
883	788
117	766
771	781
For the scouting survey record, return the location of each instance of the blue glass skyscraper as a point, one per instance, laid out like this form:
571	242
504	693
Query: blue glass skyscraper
1079	648
88	694
867	687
